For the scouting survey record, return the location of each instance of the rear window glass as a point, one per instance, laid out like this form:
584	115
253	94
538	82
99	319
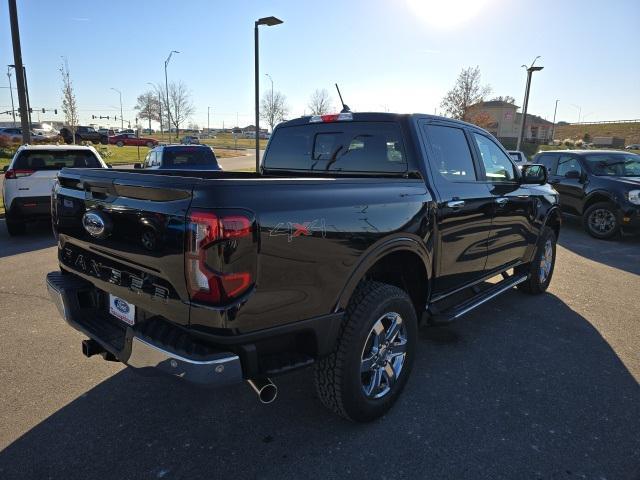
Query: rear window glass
55	160
189	157
348	147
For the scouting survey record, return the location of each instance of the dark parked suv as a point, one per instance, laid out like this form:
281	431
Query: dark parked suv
601	186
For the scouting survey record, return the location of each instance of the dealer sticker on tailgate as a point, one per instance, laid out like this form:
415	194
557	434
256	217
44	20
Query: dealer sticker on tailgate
125	311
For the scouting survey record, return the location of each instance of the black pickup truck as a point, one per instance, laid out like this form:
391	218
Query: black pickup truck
357	227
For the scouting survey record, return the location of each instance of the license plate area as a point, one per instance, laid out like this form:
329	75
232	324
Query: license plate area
122	310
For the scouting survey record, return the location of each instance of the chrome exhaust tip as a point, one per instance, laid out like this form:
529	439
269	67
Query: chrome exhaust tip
264	388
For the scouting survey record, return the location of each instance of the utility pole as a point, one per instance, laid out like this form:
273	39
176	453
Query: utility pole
208	129
553	128
26	90
17	61
13	108
530	71
166	86
121	116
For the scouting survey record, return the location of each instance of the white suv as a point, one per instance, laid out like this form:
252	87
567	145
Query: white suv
29	177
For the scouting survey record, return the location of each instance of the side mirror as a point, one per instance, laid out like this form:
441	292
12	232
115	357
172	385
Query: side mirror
534	174
575	174
137	165
109	165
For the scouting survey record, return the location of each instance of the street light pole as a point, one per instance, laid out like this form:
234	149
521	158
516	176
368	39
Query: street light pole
121	117
17	61
270	22
530	71
166	86
553	128
13	109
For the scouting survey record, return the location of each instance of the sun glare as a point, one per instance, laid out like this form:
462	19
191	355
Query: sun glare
447	13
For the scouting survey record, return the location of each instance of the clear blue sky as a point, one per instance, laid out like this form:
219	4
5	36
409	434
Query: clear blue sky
400	55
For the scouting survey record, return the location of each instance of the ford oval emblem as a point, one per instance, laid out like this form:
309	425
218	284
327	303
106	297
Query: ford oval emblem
96	223
121	305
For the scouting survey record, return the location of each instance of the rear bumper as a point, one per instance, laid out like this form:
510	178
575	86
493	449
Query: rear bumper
29	207
133	346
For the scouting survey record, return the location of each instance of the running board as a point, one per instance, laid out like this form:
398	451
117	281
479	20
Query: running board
482	297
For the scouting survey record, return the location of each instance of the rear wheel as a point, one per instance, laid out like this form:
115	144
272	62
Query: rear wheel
540	270
601	221
149	144
120	143
15	227
366	372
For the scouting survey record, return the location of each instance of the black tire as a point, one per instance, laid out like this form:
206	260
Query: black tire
150	145
536	284
338	377
120	143
15	227
597	221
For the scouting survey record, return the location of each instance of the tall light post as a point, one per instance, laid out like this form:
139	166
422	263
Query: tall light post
269	22
553	127
166	86
121	117
530	71
13	109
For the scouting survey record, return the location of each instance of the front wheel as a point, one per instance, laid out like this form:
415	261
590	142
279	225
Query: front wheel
601	221
541	268
15	227
120	144
371	362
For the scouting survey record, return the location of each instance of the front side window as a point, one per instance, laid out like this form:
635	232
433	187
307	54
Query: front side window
452	156
497	165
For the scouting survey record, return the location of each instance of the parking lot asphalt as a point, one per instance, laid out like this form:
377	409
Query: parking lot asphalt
525	387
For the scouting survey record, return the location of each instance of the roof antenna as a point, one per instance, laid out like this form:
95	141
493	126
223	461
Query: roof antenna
345	107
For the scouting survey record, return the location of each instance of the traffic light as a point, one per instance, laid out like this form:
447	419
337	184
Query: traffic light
43	110
93	117
55	110
30	110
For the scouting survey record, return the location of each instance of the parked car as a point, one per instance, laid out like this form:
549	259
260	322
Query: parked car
83	134
633	146
194	157
355	227
11	135
130	139
603	187
30	175
190	140
518	157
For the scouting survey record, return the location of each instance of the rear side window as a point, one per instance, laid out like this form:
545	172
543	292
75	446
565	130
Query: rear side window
348	147
549	160
55	160
452	156
568	163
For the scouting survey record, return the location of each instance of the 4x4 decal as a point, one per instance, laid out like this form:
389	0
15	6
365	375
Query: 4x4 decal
293	229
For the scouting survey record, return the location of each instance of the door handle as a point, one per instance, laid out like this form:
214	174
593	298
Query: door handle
502	201
455	204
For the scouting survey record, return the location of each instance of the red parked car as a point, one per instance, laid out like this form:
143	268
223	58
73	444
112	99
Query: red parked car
131	140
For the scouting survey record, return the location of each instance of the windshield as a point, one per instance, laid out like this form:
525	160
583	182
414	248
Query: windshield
55	159
614	164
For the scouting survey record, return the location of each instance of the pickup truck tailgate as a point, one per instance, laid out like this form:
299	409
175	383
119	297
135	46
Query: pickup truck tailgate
125	234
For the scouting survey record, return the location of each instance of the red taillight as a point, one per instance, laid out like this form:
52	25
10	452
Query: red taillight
205	230
18	173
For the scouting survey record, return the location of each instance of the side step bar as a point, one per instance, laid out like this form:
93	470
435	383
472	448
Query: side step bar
482	297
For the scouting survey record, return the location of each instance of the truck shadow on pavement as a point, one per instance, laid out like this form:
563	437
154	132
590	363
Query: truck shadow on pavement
623	254
37	237
524	388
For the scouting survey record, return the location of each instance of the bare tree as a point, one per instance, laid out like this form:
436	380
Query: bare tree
466	92
320	102
506	98
69	105
273	108
149	106
180	104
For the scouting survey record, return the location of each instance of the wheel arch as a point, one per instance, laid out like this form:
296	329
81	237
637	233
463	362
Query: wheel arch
404	262
596	197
